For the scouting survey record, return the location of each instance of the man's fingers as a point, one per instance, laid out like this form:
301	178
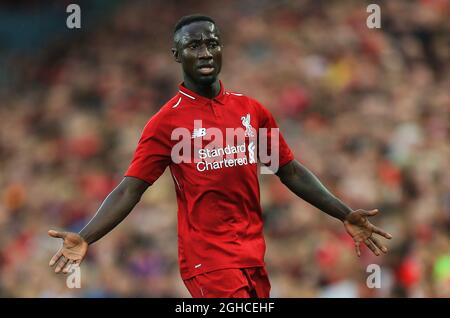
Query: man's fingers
358	250
373	227
55	257
57	234
66	268
381	232
372	247
377	243
62	262
370	213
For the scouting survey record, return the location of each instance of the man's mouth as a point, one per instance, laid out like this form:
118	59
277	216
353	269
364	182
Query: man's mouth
206	70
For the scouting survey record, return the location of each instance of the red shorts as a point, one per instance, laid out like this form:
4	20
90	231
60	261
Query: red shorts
230	283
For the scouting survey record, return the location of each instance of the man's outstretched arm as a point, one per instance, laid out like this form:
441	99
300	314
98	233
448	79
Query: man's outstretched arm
117	205
307	186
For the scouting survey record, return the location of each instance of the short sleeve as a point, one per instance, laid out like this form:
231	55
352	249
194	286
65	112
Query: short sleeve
152	154
275	146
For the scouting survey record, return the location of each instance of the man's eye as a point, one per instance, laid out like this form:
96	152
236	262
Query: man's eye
212	45
193	45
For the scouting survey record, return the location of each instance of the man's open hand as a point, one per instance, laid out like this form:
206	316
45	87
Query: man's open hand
361	230
73	251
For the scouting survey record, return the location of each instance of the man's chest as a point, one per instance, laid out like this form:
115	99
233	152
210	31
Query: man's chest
216	138
210	119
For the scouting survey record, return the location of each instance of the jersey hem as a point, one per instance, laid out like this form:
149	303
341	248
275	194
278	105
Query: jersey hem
188	275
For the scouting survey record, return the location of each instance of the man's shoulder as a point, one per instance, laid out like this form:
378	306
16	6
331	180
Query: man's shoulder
243	98
172	104
167	110
238	95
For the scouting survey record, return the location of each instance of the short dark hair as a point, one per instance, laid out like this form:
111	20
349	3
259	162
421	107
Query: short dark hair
188	19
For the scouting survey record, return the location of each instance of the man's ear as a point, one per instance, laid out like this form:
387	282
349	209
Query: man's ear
176	55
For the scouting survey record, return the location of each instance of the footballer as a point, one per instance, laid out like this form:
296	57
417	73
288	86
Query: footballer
221	245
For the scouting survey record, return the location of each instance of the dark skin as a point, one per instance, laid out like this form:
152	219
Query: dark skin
117	205
307	186
195	45
198	48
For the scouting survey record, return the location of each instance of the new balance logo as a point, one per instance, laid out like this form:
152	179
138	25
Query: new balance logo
198	132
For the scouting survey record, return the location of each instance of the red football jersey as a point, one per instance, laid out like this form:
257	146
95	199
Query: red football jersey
219	212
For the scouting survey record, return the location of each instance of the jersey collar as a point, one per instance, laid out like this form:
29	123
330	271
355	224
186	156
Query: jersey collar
198	99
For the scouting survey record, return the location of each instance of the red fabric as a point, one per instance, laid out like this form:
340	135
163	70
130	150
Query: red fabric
230	283
219	213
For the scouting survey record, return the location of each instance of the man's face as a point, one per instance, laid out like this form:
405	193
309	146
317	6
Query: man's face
199	50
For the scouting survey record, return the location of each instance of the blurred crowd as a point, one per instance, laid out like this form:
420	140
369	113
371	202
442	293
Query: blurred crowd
367	110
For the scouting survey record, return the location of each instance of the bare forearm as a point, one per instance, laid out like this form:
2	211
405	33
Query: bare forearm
307	186
117	205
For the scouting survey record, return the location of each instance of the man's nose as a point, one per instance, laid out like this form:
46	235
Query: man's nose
204	52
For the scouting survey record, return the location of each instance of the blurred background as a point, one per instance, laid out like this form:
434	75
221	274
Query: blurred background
366	110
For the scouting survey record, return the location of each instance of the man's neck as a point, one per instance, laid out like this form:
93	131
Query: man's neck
208	91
